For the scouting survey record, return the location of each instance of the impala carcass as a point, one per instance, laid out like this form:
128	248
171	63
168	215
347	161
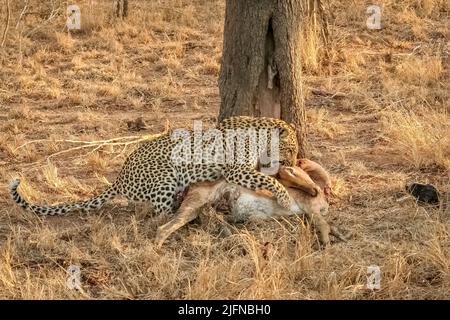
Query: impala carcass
241	204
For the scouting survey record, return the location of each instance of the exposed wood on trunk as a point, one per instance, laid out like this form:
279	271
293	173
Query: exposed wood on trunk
287	28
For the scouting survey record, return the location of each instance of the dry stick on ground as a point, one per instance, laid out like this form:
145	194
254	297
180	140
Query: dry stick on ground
8	17
77	141
101	144
98	143
95	144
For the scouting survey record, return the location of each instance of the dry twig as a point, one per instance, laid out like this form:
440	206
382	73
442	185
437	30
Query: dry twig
96	145
8	17
22	13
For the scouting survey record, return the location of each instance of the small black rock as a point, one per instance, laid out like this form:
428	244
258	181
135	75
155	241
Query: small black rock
425	193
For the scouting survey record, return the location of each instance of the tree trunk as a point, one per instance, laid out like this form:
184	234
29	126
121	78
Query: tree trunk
261	66
121	9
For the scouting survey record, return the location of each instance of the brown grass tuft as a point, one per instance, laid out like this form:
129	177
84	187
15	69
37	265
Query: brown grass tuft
420	71
419	139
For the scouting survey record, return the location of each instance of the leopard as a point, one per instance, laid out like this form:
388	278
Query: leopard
152	174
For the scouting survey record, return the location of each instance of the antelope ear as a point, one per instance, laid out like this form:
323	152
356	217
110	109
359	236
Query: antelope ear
226	196
289	171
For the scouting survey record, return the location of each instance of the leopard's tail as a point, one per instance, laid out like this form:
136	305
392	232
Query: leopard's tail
62	209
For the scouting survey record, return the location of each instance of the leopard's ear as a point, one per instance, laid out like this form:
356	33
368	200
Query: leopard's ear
292	124
284	132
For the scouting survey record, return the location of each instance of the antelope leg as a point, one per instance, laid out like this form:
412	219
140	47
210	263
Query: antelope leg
196	197
188	211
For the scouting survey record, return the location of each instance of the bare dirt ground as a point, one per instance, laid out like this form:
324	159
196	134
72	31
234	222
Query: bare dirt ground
378	116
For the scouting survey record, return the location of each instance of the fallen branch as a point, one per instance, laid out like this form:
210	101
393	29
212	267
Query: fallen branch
102	142
96	145
99	144
88	143
320	92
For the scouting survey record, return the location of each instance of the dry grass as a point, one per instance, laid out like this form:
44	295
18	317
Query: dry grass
379	116
421	140
420	71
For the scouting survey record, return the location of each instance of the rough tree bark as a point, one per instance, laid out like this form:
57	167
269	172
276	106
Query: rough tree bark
121	8
261	67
